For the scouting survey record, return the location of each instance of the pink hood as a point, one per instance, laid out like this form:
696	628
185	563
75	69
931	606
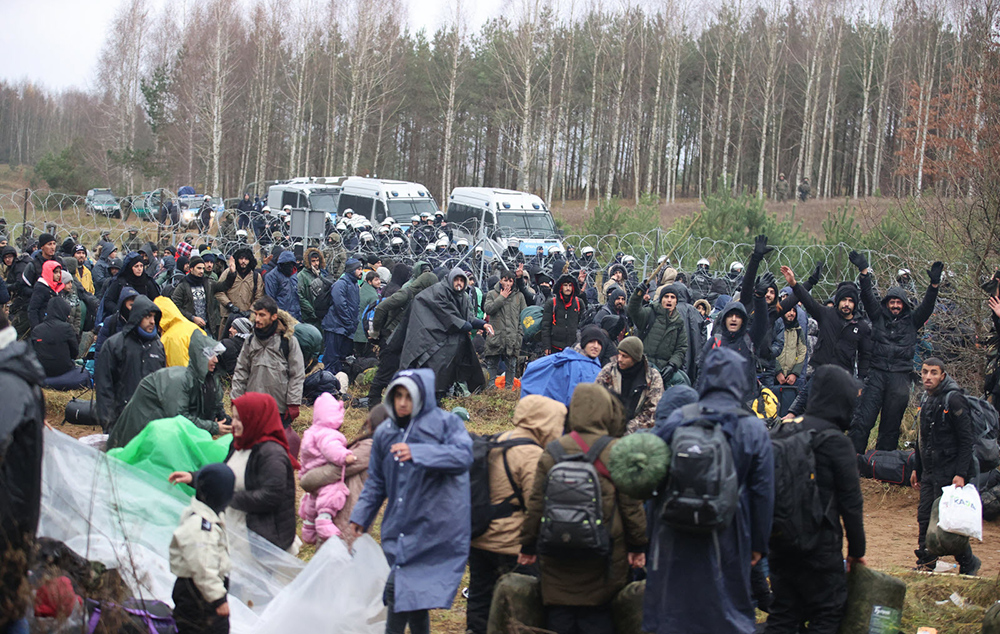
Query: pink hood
328	412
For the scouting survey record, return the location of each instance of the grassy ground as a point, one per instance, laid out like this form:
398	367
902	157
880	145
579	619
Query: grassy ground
890	518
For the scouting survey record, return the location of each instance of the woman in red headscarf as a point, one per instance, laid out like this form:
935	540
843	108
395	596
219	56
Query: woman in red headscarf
264	495
49	285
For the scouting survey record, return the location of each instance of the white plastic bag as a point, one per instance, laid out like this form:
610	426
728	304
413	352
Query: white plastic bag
961	511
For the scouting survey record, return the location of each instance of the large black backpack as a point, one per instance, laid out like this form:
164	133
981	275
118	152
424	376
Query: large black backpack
320	289
985	430
702	490
483	509
573	516
798	510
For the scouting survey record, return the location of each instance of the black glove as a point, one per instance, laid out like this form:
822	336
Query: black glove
935	273
817	273
858	260
760	248
233	308
764	282
642	288
668	372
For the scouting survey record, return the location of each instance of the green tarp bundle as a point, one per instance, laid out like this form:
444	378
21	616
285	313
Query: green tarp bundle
639	464
172	444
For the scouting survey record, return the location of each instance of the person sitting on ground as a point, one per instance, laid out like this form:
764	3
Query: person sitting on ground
323	444
420	465
199	554
577	591
56	346
557	375
113	324
539	421
127	357
192	392
635	382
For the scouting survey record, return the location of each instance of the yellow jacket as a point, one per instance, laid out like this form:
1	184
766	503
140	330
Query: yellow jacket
86	279
177	332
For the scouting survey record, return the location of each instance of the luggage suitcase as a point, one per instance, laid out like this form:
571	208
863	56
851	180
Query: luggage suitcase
786	396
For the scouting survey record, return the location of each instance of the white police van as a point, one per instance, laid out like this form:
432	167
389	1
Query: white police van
308	192
493	216
376	198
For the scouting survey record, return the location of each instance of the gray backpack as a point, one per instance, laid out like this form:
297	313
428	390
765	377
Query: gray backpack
702	490
573	518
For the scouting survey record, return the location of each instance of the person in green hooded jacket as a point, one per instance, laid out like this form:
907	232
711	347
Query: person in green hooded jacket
192	392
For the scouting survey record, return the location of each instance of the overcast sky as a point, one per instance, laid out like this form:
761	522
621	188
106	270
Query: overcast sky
56	43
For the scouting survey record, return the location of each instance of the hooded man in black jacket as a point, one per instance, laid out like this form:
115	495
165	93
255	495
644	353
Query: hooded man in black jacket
126	358
561	316
812	587
844	337
944	456
895	327
21	419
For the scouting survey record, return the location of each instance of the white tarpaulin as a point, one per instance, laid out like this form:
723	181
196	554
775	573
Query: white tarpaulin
108	511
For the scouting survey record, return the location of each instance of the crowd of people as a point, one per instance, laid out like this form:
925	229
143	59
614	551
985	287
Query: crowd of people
598	354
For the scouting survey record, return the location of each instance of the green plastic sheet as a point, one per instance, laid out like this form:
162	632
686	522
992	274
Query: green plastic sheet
172	444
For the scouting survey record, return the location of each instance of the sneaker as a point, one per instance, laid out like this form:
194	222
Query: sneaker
972	569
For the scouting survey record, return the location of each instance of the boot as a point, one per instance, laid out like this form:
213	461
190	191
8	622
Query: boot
325	527
925	561
970	566
308	532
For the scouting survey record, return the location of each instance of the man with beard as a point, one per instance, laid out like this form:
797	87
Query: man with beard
664	333
315	269
615	308
438	334
240	288
282	285
271	362
561	316
195	296
895	331
844	338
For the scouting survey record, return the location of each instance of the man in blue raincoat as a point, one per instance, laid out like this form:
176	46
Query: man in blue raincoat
420	463
700	583
556	375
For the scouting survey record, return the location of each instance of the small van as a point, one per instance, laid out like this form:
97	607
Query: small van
311	193
376	198
496	215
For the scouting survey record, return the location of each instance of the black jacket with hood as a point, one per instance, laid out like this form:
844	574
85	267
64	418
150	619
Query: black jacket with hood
54	340
741	341
894	337
143	284
841	341
125	359
829	412
561	317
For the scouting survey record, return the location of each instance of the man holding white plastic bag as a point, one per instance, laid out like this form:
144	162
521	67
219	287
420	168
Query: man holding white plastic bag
944	454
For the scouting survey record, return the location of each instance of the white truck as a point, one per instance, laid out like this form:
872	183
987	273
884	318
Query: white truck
493	216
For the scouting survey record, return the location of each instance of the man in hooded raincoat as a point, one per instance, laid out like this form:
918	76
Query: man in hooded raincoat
438	334
192	392
419	465
700	584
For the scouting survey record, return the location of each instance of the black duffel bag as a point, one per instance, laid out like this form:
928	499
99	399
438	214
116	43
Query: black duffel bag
893	467
80	412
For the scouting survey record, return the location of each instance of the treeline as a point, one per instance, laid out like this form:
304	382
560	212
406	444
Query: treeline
884	97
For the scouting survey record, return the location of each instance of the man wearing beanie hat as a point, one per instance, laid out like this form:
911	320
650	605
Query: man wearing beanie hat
637	385
240	330
844	337
663	332
33	269
556	376
341	321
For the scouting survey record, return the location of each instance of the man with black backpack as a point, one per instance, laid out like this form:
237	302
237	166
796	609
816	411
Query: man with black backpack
712	518
945	454
587	533
502	476
816	486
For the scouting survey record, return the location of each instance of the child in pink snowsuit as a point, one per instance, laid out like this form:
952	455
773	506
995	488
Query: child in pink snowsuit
324	444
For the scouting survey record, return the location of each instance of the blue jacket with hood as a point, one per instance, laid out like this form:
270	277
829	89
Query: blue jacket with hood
426	529
557	375
700	584
284	289
345	307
